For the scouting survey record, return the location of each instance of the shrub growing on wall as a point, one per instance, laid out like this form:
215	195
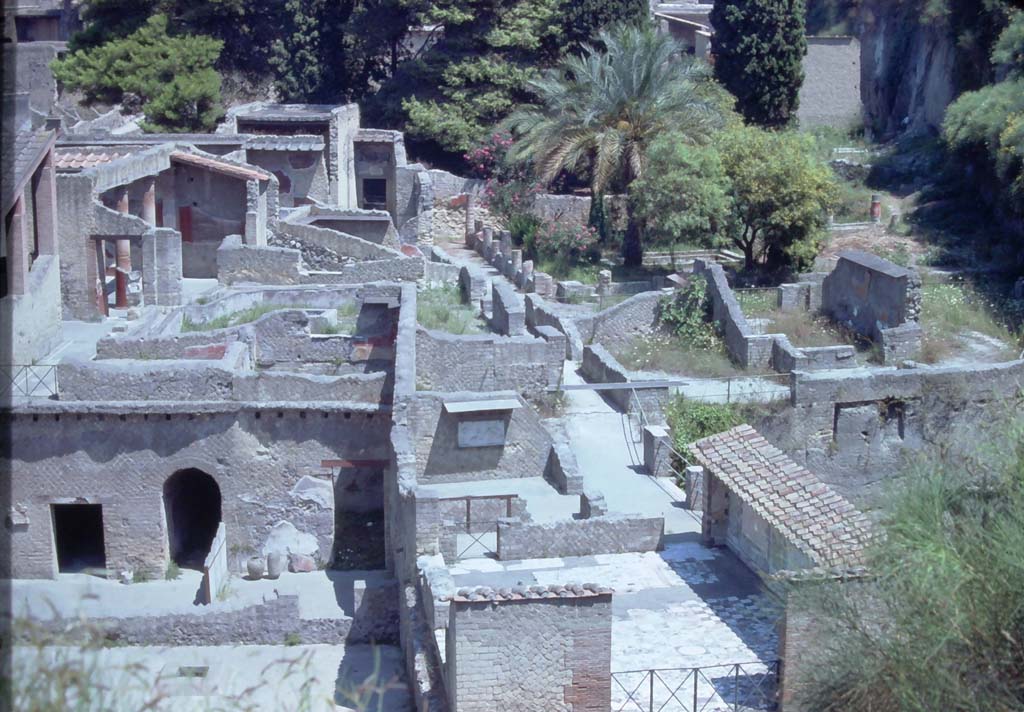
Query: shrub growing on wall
173	76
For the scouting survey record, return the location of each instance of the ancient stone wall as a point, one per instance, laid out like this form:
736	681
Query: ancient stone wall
509	312
869	294
854	428
440	459
483	362
610	534
599	366
523	655
621	324
121	457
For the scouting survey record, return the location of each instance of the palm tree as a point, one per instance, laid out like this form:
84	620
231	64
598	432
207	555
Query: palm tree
598	112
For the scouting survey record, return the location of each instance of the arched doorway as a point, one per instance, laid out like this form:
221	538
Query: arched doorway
192	506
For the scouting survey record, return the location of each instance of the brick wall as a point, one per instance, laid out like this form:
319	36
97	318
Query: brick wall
551	654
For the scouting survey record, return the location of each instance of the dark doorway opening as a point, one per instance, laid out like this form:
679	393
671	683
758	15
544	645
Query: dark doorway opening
78	533
375	194
192	506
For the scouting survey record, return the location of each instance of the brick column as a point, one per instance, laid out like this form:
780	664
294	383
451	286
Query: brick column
46	207
17	255
124	258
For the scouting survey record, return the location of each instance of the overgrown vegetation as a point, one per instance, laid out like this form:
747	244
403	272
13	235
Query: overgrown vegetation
940	626
441	308
243	316
950	310
689	343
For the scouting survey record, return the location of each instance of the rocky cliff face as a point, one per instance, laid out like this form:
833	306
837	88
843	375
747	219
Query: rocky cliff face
908	69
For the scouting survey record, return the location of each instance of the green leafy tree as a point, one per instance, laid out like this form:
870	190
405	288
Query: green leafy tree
599	113
759	46
781	194
449	98
986	127
173	76
684	196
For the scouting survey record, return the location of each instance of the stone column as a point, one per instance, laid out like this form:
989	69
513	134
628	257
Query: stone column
45	196
488	243
604	281
517	263
17	258
149	202
124	259
527	273
471	227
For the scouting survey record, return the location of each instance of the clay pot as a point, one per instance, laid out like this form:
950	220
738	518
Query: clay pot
275	564
255	567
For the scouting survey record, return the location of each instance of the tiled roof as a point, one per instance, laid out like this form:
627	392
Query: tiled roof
21	154
519	593
285	143
76	160
810	514
219	166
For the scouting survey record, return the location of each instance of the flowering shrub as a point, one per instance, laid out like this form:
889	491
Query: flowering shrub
563	241
485	160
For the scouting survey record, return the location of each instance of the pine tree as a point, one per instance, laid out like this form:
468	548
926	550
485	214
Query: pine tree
759	46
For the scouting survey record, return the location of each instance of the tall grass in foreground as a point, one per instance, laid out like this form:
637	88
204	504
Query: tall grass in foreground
941	624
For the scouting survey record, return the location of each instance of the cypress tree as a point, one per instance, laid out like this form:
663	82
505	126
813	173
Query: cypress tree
759	46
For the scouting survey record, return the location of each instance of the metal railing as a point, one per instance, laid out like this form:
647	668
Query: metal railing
737	687
473	535
28	381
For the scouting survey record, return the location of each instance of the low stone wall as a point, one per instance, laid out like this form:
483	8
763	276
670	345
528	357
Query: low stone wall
613	534
238	263
449	362
621	324
227	379
562	470
508	311
274	622
540	312
599	366
340	242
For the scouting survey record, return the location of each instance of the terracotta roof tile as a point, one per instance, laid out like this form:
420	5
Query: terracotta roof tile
809	513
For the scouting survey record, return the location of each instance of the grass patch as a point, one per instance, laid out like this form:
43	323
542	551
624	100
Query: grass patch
441	308
805	330
671	354
243	316
951	309
757	302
